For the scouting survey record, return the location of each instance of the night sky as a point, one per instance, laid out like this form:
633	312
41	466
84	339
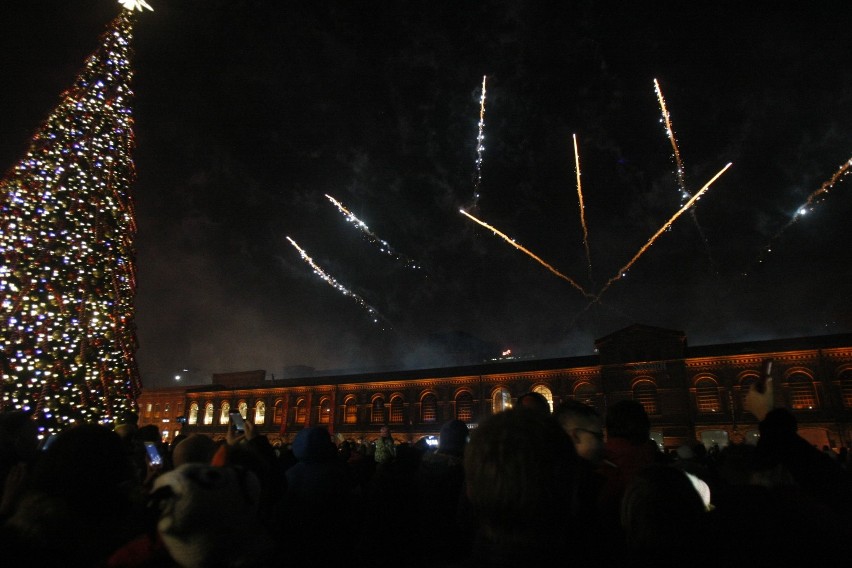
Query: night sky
249	112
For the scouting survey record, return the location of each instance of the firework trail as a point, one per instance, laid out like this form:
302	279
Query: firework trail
479	147
680	171
808	205
528	253
667	120
623	271
376	316
371	236
582	210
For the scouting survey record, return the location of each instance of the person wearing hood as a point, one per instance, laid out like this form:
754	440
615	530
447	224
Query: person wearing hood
320	498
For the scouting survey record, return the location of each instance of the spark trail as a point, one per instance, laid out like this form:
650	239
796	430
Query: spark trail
667	120
371	236
477	181
623	271
528	253
330	280
582	210
680	171
808	205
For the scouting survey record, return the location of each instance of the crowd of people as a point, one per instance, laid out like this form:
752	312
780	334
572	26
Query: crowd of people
527	487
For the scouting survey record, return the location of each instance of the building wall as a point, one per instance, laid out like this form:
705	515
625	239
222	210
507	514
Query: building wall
687	398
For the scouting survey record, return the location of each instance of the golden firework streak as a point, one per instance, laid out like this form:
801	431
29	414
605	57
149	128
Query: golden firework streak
807	205
528	253
687	205
667	119
582	209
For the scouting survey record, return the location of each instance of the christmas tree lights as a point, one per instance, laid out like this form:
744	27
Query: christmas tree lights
67	228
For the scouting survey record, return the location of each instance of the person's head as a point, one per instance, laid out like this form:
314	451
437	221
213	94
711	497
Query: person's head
519	469
126	424
384	432
583	425
534	401
661	507
87	468
18	438
453	438
314	444
627	419
197	448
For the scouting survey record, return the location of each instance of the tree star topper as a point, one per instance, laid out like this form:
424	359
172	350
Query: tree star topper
135	5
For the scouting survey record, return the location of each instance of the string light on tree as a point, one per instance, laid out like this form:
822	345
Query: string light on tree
67	228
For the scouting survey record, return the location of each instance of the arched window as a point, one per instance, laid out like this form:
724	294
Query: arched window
846	388
208	413
501	400
645	393
802	392
242	408
193	413
585	392
325	411
259	412
429	408
745	385
545	392
157	410
464	406
707	396
301	411
396	407
223	414
351	410
377	411
278	412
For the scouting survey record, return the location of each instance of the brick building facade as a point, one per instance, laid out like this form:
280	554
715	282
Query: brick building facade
691	393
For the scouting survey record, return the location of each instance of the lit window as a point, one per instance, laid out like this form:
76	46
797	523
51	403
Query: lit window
707	396
745	386
278	412
259	412
325	411
224	417
846	388
242	407
545	392
645	393
377	411
396	410
802	392
208	413
351	410
429	408
301	412
585	392
501	400
464	407
193	413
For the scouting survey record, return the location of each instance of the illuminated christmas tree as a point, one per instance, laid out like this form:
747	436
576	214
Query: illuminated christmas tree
67	228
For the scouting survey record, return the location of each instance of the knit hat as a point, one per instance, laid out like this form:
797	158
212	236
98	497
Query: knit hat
208	516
